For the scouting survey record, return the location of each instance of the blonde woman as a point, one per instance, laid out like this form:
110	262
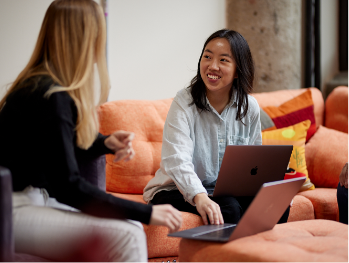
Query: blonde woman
48	115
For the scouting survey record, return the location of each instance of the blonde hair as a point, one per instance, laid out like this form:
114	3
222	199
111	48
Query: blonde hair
72	38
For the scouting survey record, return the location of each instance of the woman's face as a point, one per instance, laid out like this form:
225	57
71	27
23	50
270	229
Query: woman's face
217	65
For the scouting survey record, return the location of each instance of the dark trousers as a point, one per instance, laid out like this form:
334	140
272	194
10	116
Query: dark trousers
342	199
232	208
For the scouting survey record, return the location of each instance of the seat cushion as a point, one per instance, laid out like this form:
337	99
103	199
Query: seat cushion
146	119
324	201
302	209
160	245
309	240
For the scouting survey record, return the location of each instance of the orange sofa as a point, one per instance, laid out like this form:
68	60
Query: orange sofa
325	153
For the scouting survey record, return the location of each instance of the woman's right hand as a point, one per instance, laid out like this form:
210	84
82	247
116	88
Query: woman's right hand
166	215
208	208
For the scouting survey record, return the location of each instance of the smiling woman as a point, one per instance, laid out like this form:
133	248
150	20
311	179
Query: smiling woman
216	110
218	70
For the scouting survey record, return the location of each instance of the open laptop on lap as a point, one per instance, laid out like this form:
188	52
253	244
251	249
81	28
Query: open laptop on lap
245	168
264	212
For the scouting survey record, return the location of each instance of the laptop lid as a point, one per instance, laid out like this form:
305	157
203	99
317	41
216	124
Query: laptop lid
267	207
245	168
264	212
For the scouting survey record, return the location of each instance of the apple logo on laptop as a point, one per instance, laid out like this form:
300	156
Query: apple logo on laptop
254	170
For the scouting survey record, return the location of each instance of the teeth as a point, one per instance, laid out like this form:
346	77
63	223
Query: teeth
212	76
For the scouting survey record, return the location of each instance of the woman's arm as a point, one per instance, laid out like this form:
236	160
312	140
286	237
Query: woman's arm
68	187
177	153
176	162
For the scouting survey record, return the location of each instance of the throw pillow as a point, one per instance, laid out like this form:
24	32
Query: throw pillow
326	153
298	109
293	135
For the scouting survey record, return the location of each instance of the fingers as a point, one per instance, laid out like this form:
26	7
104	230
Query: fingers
166	215
212	211
121	143
221	220
174	220
124	136
203	216
127	154
129	138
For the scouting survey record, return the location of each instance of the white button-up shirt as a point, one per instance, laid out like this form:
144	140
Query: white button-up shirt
194	143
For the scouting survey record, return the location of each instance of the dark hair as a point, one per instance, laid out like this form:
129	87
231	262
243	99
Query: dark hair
245	72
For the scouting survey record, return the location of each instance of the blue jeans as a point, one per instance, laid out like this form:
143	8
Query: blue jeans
342	199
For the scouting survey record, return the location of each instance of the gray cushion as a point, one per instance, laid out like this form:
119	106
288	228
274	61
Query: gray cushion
266	121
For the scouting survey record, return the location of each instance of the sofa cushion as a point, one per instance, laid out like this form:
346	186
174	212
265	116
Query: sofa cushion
160	245
146	119
324	201
305	241
293	135
276	98
326	153
336	109
298	109
302	209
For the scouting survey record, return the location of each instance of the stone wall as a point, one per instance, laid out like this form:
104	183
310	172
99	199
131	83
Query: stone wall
272	29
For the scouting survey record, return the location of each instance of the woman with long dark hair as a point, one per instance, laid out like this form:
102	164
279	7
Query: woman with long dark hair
216	110
48	117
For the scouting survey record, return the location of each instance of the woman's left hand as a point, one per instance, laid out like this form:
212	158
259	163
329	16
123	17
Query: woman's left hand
121	143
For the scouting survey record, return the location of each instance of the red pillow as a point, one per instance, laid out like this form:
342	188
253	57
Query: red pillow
291	112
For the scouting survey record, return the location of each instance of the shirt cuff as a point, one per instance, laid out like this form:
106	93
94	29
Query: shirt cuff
189	197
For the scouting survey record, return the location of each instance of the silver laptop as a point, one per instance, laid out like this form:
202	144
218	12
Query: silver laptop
263	213
246	167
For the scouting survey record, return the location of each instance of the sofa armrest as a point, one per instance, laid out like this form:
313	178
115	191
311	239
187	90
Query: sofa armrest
6	234
336	109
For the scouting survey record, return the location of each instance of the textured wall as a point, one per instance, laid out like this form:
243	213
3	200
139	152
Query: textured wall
272	29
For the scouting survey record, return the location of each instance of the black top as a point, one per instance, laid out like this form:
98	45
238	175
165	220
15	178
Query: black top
38	145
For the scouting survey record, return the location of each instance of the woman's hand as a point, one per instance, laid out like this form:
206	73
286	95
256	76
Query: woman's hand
121	143
343	177
166	215
207	208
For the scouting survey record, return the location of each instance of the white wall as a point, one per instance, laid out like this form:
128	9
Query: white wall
154	45
20	22
329	40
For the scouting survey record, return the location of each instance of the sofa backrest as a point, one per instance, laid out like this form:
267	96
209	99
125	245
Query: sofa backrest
336	114
146	119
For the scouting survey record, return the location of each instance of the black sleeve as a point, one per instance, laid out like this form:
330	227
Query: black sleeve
64	179
97	149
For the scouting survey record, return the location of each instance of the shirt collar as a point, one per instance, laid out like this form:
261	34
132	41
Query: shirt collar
233	100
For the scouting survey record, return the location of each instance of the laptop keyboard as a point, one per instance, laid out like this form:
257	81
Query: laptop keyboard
220	233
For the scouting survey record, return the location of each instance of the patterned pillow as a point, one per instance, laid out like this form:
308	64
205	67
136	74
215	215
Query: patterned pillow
298	109
293	135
